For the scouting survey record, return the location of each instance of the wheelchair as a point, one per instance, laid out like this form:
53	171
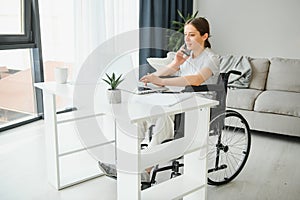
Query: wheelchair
229	138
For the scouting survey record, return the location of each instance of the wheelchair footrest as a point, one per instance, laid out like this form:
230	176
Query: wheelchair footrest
217	168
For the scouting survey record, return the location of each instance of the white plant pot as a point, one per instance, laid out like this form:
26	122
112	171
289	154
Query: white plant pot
114	96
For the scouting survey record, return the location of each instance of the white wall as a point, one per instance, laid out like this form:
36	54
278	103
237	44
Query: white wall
257	28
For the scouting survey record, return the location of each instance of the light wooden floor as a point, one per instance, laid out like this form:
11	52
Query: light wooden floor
271	172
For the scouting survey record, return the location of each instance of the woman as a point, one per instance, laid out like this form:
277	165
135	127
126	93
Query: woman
202	66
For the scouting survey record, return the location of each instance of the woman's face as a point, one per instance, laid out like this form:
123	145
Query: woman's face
192	38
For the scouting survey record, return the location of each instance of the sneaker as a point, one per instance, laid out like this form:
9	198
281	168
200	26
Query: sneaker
111	171
108	169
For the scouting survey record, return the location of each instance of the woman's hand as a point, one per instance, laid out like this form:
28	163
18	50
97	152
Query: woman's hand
180	57
151	78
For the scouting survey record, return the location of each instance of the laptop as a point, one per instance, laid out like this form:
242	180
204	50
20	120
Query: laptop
150	88
147	89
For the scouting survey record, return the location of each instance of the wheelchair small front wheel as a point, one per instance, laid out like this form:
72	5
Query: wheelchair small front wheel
228	147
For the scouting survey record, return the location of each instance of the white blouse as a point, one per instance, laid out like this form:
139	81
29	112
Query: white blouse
193	66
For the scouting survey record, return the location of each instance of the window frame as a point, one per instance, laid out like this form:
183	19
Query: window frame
25	40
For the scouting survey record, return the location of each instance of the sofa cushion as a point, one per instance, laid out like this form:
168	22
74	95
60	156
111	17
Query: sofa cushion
157	63
242	98
284	75
279	102
260	68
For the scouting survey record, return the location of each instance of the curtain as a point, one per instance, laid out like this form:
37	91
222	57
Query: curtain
57	30
89	20
158	13
99	20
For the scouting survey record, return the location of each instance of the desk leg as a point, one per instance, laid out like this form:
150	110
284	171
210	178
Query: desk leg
51	139
128	154
195	163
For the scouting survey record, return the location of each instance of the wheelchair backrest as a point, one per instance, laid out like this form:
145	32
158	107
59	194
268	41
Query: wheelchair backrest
220	89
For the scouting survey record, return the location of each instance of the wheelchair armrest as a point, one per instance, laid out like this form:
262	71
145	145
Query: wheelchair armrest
225	76
204	88
234	72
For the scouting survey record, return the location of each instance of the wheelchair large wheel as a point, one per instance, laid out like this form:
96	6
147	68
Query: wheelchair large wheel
228	147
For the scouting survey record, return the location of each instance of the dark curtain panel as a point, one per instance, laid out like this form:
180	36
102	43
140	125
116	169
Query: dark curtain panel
158	13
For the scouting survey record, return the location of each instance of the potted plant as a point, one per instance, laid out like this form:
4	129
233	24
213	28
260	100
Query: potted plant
176	39
113	94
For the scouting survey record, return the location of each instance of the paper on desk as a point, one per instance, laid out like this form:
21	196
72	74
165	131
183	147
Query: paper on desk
161	99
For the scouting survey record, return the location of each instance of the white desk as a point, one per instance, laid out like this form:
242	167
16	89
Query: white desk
68	163
130	159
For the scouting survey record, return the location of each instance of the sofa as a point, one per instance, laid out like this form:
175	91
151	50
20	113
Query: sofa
271	103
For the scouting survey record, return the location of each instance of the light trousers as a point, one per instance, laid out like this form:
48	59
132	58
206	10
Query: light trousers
162	129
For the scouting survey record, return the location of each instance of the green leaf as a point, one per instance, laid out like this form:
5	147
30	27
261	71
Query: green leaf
177	23
196	13
180	14
106	81
118	79
181	30
188	16
118	83
108	77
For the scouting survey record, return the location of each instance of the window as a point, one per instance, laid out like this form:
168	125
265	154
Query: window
12	17
20	63
17	100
